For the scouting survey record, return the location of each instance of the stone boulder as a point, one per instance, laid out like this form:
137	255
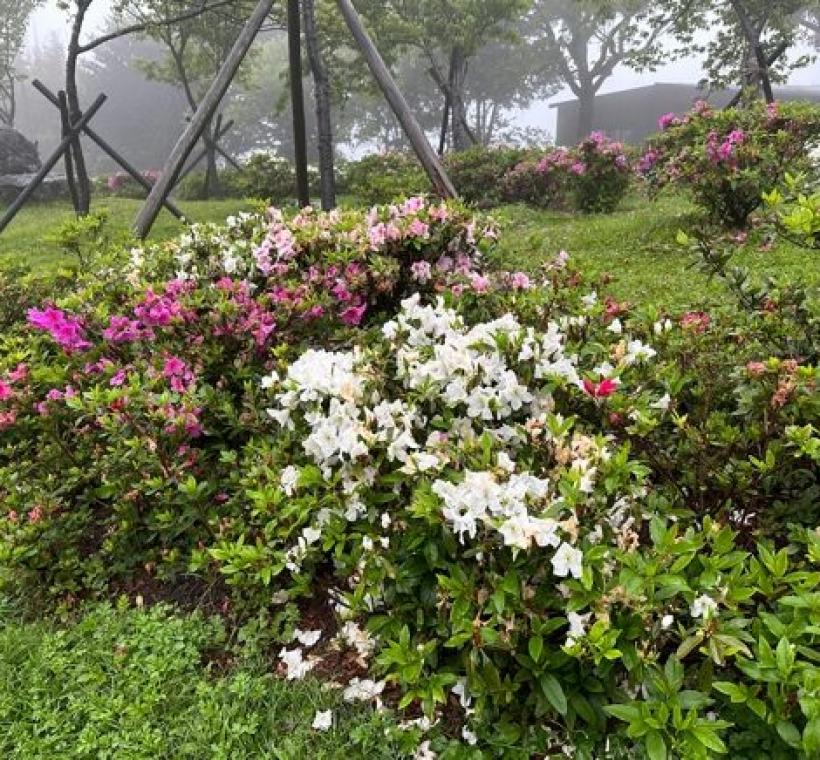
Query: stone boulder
17	155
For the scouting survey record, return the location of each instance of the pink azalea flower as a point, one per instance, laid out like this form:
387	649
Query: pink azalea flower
520	281
419	229
353	315
65	329
6	391
480	283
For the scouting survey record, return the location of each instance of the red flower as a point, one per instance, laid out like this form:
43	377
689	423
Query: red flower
602	389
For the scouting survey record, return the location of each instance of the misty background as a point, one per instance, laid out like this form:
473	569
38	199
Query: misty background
143	118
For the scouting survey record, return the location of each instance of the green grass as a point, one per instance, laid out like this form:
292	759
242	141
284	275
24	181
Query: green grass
30	239
132	684
636	246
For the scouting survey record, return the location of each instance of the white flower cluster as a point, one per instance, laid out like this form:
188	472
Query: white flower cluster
466	368
492	379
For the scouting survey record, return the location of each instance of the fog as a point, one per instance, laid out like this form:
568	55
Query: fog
49	28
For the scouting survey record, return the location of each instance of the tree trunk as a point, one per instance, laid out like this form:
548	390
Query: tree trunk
297	96
457	84
445	125
74	110
321	90
758	63
586	113
210	185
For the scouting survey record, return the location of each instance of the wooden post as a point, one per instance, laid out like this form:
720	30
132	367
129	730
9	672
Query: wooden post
429	160
106	148
192	164
297	97
50	163
148	214
65	128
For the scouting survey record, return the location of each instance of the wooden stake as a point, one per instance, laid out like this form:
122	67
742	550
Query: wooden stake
148	214
50	163
429	160
106	148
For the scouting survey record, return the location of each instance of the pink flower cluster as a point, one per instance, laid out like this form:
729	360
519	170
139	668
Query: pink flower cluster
66	330
723	151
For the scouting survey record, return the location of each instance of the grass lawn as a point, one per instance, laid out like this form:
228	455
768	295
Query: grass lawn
30	238
636	245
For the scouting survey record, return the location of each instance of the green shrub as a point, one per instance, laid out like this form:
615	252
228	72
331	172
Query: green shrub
478	173
384	177
727	159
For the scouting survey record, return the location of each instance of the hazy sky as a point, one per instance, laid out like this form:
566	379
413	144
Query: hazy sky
48	21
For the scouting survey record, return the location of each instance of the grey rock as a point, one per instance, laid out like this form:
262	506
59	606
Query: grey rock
17	155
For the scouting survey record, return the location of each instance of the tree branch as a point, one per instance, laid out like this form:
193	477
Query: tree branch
144	26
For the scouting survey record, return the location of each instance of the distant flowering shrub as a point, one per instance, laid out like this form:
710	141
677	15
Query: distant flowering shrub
124	185
728	159
592	177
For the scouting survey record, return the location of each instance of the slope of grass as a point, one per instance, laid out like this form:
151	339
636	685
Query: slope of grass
31	237
132	684
636	246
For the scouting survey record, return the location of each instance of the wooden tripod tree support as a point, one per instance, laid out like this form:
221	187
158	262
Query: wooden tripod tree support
421	145
220	131
204	113
120	160
51	162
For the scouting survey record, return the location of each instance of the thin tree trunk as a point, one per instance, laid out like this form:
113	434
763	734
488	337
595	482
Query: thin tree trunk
445	125
297	95
211	182
458	80
65	123
74	111
586	113
321	91
759	64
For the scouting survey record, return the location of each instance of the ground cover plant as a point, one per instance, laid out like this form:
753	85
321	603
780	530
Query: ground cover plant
546	519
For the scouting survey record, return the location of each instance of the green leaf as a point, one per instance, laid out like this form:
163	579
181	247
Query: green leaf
789	733
536	648
626	713
736	693
553	692
708	738
655	746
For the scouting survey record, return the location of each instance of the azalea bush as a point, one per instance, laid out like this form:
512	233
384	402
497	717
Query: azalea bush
592	177
541	519
478	173
727	159
117	402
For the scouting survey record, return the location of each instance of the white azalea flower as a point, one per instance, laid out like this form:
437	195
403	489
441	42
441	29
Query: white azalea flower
323	720
567	560
703	607
307	638
362	690
289	479
297	666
